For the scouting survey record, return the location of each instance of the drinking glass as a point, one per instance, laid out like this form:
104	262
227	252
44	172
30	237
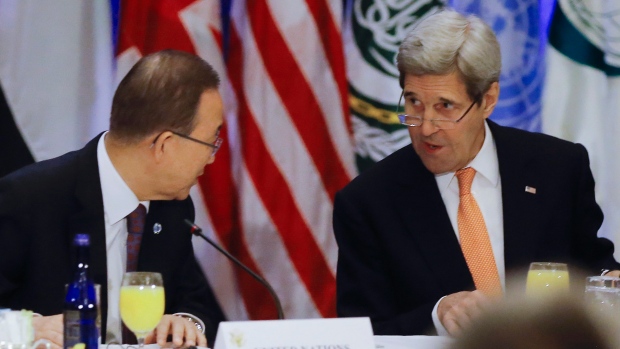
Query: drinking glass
142	302
546	278
603	294
16	331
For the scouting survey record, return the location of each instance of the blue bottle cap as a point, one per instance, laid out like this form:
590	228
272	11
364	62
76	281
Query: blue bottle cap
81	240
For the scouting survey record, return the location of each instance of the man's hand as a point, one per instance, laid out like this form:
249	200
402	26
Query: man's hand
50	328
614	273
180	329
456	311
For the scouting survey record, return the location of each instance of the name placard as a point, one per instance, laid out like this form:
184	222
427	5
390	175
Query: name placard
345	333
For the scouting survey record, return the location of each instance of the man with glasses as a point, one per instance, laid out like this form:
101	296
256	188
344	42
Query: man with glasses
164	129
428	236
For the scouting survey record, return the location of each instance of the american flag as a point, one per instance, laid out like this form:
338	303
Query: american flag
268	197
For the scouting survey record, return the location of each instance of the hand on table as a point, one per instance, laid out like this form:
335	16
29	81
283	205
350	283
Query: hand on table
180	329
456	311
50	328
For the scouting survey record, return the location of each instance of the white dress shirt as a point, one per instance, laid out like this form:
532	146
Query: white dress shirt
487	190
118	201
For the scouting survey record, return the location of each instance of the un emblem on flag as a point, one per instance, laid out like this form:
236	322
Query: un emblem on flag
516	25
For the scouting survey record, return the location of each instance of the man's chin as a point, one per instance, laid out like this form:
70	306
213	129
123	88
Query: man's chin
436	167
182	195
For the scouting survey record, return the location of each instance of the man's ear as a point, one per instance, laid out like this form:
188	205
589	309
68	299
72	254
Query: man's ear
490	99
160	145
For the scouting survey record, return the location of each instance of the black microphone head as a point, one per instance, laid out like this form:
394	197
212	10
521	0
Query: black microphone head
193	228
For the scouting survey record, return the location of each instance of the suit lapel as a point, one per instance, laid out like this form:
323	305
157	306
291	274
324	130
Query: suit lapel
435	238
171	234
89	218
154	246
521	207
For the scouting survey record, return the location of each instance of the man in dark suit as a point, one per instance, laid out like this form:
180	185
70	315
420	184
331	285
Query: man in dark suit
416	252
164	128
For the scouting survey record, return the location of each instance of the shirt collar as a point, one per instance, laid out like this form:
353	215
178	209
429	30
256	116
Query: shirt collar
485	163
118	199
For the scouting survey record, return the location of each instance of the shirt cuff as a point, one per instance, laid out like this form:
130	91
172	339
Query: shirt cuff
441	331
193	319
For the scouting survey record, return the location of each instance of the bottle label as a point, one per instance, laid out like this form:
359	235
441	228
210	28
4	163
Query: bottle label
72	328
80	329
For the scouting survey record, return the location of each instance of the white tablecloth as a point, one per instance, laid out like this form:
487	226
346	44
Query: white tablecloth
412	342
169	345
381	342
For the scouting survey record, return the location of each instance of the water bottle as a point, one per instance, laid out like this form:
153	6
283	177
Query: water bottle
80	311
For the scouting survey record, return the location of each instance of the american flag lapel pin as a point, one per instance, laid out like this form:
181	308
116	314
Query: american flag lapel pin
530	190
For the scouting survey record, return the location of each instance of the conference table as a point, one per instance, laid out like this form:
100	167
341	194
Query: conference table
381	342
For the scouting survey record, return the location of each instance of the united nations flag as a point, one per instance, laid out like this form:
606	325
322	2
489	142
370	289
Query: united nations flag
517	25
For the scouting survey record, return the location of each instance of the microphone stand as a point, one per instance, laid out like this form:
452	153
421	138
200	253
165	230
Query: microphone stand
197	231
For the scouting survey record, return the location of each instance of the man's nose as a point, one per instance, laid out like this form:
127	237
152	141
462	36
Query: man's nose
427	128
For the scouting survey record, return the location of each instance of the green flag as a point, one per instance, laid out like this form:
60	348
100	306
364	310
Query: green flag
581	100
372	35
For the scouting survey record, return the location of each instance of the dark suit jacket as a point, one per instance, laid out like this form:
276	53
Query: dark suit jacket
44	205
398	253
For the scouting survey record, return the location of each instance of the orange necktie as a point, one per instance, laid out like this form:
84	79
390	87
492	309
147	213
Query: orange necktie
475	241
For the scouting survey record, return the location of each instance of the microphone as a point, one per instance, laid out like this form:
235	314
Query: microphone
196	230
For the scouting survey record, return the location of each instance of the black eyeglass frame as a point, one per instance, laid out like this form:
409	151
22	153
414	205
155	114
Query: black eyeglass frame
216	146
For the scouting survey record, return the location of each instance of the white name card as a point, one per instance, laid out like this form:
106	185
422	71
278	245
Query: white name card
345	333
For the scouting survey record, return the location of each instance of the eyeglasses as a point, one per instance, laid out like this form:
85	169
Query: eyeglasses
442	124
215	146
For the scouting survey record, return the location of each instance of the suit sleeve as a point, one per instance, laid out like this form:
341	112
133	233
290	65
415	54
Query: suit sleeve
14	247
591	252
364	285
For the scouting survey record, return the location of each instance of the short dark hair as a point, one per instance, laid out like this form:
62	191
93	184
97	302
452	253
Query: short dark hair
549	323
160	92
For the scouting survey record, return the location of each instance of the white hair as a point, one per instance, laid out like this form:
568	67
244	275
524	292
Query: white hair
448	41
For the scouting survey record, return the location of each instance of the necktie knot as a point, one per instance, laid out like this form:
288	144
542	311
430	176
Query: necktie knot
136	219
465	177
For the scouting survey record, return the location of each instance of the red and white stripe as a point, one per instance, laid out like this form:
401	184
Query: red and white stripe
269	196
